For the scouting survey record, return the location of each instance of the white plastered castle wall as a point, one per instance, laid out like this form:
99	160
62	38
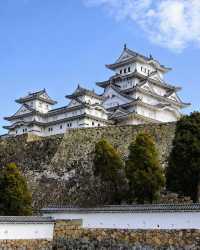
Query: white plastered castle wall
24	231
155	220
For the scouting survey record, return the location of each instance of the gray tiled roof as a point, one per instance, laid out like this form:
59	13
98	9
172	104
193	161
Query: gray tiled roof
25	219
162	208
80	91
136	56
36	95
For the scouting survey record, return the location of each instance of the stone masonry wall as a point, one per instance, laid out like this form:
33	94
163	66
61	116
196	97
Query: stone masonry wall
59	168
69	235
25	245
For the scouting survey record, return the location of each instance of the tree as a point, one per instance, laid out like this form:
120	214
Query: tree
15	199
143	170
109	166
183	172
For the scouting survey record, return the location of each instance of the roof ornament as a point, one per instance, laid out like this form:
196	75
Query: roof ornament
151	57
125	47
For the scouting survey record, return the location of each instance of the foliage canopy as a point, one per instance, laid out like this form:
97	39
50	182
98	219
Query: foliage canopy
15	199
183	172
143	170
109	166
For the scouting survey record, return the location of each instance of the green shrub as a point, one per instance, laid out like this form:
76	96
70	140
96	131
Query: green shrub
143	170
15	199
183	172
109	166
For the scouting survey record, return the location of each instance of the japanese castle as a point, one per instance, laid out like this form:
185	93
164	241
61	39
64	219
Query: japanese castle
136	93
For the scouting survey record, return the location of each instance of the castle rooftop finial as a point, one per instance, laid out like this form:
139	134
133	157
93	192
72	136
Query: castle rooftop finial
150	56
125	47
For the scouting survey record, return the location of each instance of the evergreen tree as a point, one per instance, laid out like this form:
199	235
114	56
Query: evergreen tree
143	170
109	166
15	199
183	172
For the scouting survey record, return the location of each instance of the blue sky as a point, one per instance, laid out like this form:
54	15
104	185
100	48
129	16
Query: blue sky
58	44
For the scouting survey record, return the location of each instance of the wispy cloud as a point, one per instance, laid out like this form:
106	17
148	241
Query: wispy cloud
170	23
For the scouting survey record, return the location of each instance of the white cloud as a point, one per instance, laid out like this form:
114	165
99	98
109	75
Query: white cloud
170	23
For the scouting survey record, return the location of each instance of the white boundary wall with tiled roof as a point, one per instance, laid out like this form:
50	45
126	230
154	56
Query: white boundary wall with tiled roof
25	230
113	219
176	220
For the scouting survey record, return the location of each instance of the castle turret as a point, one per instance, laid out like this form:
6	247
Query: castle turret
33	108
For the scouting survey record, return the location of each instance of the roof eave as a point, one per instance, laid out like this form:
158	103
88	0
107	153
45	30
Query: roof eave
69	96
24	100
7	118
19	101
6	127
185	105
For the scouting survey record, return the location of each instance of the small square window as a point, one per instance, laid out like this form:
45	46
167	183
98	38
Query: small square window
61	126
125	70
120	71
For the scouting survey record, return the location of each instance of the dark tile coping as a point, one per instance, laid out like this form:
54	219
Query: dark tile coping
154	208
25	220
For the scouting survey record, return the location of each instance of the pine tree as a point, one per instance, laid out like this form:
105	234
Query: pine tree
143	170
15	199
183	172
109	166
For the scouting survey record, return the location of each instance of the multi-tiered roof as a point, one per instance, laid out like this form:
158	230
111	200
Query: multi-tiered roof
145	83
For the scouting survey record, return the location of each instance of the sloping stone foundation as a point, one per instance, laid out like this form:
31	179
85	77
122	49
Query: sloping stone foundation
59	168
